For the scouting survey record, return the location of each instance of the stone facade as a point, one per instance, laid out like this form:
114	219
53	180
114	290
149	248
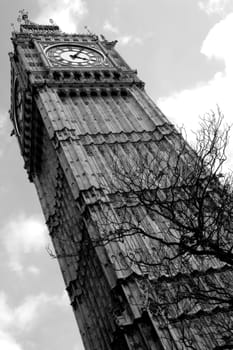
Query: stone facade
74	120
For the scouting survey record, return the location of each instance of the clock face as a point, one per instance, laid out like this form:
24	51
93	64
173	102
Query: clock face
74	56
18	108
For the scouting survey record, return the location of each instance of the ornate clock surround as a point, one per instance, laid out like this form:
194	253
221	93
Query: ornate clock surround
74	55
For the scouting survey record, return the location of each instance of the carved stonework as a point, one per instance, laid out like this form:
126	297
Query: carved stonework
83	107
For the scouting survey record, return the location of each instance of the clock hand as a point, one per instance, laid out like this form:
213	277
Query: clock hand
80	58
83	58
76	54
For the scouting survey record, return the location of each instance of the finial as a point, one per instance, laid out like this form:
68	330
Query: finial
23	17
91	33
51	21
88	30
103	37
108	44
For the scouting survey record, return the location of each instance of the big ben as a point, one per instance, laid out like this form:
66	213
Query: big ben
75	104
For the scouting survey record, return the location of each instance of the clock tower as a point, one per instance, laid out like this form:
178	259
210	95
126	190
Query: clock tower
75	106
73	99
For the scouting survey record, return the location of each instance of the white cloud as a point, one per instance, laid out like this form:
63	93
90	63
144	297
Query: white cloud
184	107
108	27
31	310
23	236
23	318
218	43
7	342
27	314
122	39
7	320
129	39
6	316
66	13
214	6
64	300
4	133
3	120
34	270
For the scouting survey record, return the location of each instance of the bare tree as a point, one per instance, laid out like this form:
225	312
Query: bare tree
177	200
183	187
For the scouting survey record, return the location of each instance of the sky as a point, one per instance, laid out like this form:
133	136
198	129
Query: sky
183	51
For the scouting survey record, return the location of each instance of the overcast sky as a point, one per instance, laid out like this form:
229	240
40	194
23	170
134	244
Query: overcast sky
183	50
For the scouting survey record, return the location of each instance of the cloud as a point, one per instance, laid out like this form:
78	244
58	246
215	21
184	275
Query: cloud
14	321
4	133
3	120
183	107
108	27
33	307
7	342
218	43
214	6
122	39
22	236
129	39
27	314
33	270
66	13
6	316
